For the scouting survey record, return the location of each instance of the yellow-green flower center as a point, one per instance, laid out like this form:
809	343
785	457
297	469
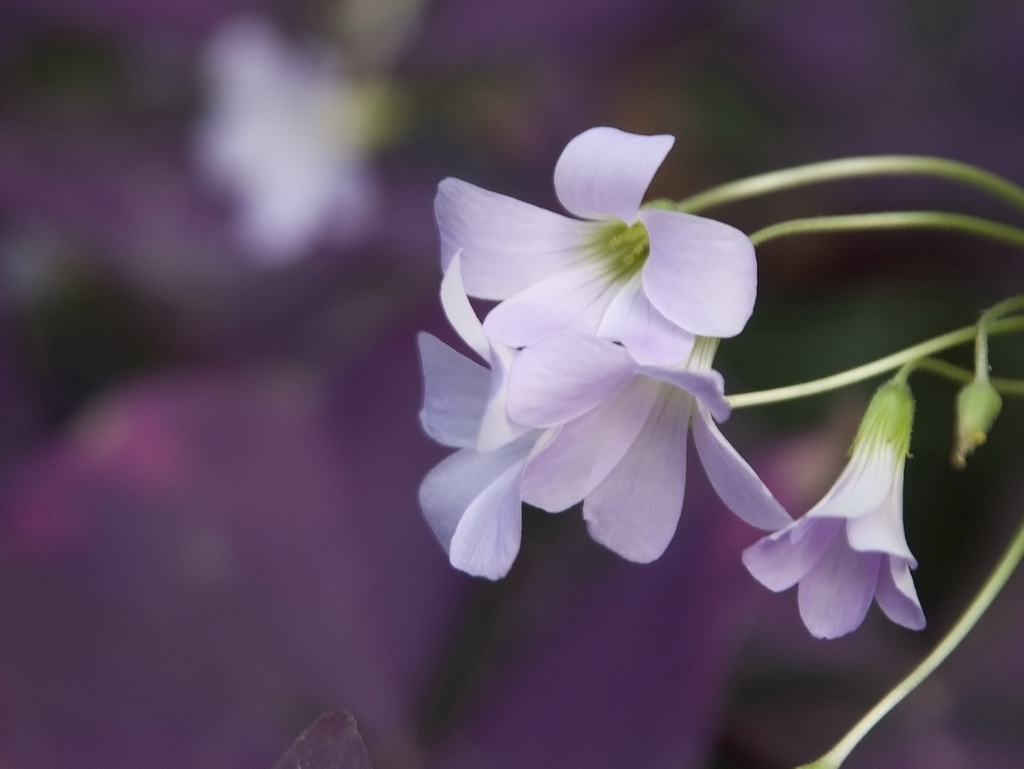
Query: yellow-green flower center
622	248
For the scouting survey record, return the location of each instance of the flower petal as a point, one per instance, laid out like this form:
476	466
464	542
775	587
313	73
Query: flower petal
496	426
780	560
835	595
576	297
460	312
635	510
507	244
450	488
648	335
701	274
487	538
881	530
605	172
733	479
567	464
565	376
863	485
455	393
897	596
706	386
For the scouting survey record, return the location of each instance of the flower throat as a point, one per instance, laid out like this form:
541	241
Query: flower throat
623	248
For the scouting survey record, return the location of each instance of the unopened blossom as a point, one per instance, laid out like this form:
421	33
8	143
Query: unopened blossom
977	405
284	134
615	437
850	548
472	499
650	278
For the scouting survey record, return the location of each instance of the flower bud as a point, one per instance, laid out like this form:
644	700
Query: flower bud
977	407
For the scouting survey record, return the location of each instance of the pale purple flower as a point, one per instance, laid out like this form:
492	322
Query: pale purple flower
616	435
850	547
472	499
650	278
284	135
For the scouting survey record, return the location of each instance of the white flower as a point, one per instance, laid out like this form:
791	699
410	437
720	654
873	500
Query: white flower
472	499
615	437
571	419
850	547
283	134
650	278
600	350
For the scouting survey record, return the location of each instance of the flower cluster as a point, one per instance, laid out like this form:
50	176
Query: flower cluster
595	363
599	354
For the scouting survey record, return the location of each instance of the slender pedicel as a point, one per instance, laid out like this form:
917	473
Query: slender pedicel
868	370
993	585
850	168
893	220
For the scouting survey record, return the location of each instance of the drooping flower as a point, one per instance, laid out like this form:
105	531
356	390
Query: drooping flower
650	278
851	547
472	499
284	133
615	437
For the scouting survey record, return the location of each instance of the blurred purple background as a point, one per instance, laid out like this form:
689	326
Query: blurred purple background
209	458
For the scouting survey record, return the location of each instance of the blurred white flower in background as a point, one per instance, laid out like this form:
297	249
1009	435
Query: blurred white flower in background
285	134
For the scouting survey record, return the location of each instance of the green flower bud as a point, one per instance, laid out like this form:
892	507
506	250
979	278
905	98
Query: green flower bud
977	407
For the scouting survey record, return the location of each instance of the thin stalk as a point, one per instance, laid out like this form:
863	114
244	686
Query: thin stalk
958	374
981	367
993	585
868	370
850	168
893	220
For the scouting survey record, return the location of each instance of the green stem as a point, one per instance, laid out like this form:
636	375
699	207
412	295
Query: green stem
981	367
957	374
905	371
893	220
849	168
995	583
868	370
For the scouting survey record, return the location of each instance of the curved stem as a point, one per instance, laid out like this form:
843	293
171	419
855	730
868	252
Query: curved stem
849	168
993	585
868	370
893	220
957	374
981	367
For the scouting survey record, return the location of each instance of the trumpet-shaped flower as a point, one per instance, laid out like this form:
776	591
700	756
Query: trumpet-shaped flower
472	499
284	133
850	547
615	437
650	278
